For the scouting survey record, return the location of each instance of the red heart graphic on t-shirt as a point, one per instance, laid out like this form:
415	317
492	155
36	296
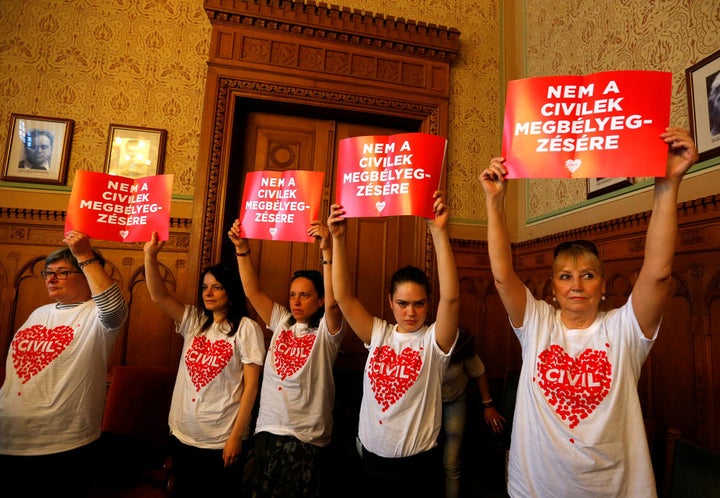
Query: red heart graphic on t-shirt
291	352
35	348
574	386
391	375
205	359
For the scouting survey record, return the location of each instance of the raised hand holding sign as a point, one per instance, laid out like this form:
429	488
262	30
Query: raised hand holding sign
389	175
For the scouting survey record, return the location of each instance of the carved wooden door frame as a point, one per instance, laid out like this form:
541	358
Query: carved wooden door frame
315	55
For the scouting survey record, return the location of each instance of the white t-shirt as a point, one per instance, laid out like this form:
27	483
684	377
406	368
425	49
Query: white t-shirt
457	376
54	392
401	409
209	381
298	389
578	428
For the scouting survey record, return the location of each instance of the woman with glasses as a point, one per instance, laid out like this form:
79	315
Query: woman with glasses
217	380
578	428
52	401
401	407
294	423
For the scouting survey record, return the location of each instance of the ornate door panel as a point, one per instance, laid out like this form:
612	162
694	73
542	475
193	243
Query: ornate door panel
377	246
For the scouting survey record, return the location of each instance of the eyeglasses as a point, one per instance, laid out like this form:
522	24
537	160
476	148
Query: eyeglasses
60	274
585	245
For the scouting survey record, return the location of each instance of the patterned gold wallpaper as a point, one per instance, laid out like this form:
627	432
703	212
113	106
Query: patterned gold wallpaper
588	36
143	63
138	63
475	90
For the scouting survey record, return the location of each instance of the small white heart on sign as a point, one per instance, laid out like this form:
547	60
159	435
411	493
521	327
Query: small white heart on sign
124	233
380	206
573	164
273	231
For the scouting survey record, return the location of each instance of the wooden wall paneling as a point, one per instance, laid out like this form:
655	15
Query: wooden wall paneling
711	333
150	338
670	370
482	313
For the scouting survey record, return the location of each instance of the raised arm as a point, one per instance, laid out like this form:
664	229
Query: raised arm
509	286
97	278
156	287
333	315
448	312
652	287
262	303
357	316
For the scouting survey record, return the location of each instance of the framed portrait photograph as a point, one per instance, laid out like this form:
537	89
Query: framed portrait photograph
599	186
134	152
38	149
703	87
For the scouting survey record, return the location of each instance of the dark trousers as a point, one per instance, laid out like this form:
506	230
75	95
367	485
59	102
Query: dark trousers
416	475
202	472
69	473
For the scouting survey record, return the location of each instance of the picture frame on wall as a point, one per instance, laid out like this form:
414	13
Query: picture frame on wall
703	87
38	149
599	186
134	151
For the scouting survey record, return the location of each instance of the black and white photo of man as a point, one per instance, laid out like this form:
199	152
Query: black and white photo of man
714	103
38	150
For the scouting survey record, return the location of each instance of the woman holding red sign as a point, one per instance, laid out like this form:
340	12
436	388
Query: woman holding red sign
578	427
401	408
53	397
217	381
294	424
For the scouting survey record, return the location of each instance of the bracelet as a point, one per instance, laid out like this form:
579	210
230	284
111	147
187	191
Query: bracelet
488	402
87	262
241	254
326	261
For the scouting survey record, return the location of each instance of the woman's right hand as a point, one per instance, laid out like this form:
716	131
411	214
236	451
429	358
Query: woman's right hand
241	244
492	178
336	222
153	246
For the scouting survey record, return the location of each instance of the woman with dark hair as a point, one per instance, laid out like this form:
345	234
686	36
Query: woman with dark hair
217	381
295	421
401	408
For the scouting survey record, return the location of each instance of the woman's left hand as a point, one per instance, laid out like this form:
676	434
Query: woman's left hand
494	420
321	232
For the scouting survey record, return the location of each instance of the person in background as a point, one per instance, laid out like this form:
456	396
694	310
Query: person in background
38	145
401	408
578	426
464	365
53	397
295	421
217	381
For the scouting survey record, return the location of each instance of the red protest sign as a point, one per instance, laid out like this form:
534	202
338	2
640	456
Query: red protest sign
279	205
600	125
389	175
118	208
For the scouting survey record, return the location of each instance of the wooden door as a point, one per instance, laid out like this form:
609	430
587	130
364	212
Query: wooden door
376	246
